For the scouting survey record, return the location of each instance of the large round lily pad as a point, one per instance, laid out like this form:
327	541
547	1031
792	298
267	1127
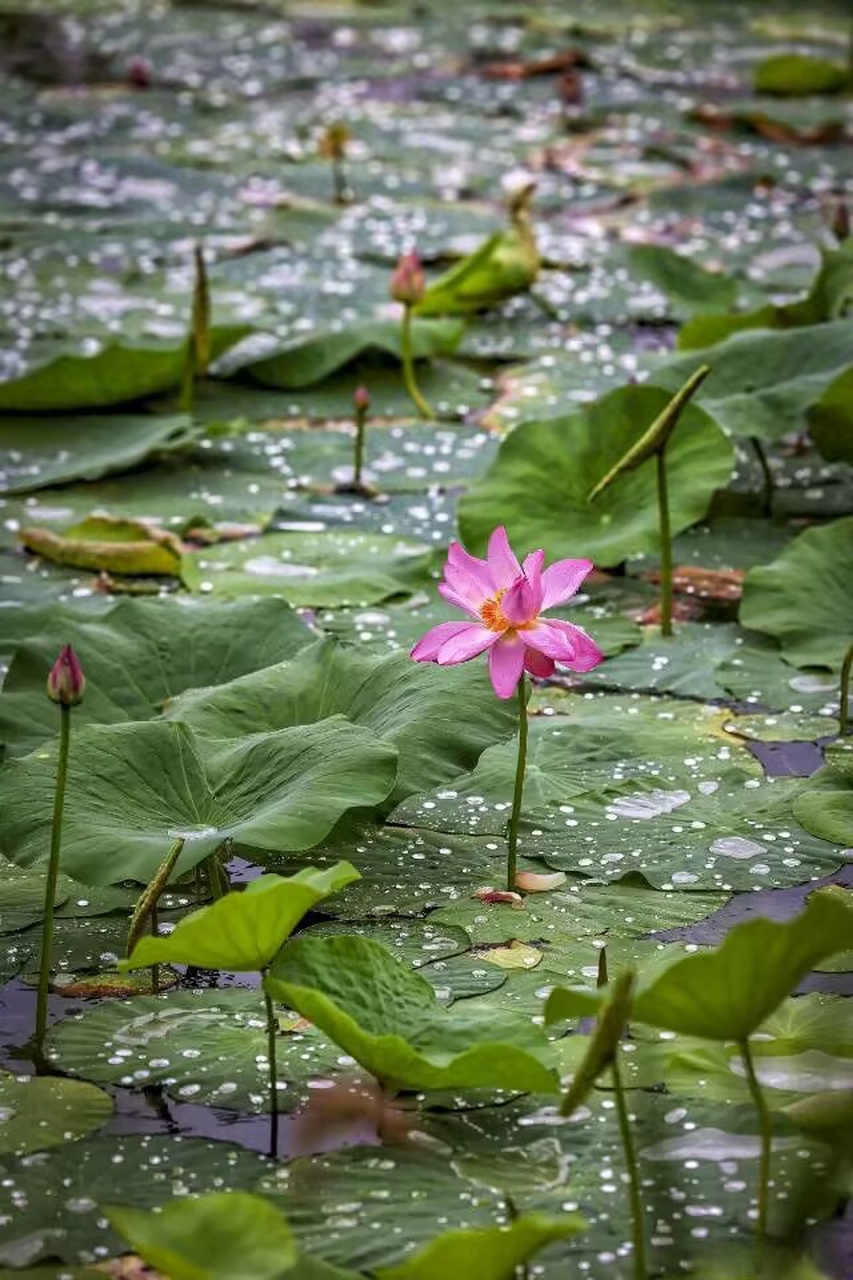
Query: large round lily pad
37	1112
134	789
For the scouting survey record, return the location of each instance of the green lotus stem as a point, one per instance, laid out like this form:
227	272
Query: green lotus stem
52	876
766	1126
518	791
665	547
844	705
768	488
215	877
630	1153
154	920
151	896
358	457
271	1034
409	365
339	178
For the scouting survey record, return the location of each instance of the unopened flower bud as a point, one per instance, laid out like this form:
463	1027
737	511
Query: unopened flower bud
408	283
139	73
361	399
66	683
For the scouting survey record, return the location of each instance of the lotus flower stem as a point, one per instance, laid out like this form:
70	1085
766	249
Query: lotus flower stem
215	877
52	876
272	1028
665	547
768	488
151	896
409	365
154	920
766	1126
629	1151
518	791
844	704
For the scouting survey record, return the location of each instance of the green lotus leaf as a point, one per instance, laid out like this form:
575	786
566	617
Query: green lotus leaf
329	568
828	299
797	75
804	599
35	454
138	656
490	1253
37	1112
118	372
690	286
825	804
561	461
439	719
726	994
52	1207
765	381
387	1017
207	1047
307	361
134	789
226	1235
243	931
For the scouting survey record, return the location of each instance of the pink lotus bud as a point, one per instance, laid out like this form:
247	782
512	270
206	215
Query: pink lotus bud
66	683
139	73
488	894
538	881
361	399
408	283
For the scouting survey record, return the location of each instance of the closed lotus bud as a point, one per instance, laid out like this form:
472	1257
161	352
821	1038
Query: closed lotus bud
361	399
66	683
408	283
139	73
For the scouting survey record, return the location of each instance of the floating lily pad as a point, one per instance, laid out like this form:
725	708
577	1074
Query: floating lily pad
307	361
53	1207
317	569
35	453
37	1112
825	804
115	373
561	461
109	544
201	1046
135	789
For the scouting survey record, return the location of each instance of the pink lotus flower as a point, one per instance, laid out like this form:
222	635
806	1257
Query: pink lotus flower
408	282
66	682
506	600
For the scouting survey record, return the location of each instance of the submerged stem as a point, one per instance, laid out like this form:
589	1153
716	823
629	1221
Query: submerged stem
665	547
52	876
155	968
358	458
409	365
844	704
271	1058
518	791
629	1151
766	1126
768	488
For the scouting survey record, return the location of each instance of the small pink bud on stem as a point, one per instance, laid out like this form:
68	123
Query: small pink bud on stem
66	682
65	685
